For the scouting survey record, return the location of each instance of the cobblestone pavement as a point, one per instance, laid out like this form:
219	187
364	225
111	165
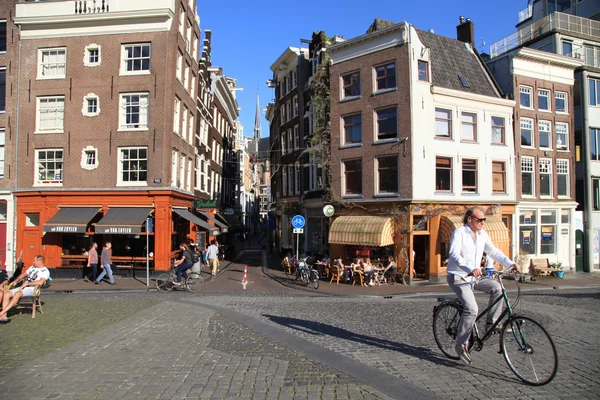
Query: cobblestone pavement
218	346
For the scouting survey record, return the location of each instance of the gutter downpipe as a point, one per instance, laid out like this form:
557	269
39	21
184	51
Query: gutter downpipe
588	232
16	157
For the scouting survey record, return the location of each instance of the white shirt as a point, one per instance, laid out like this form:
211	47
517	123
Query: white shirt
466	252
34	273
212	252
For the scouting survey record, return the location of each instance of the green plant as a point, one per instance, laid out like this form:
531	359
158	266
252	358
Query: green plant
556	265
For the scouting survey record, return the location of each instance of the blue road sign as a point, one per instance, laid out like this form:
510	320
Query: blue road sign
298	221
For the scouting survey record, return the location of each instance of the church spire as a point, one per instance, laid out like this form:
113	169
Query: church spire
257	120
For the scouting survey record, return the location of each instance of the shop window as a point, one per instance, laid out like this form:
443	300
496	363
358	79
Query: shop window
527	231
548	233
3	210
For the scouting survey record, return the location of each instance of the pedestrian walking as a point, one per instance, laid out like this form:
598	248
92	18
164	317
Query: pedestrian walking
212	255
105	265
92	263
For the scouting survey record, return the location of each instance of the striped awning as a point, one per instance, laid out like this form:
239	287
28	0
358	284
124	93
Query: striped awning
362	231
494	227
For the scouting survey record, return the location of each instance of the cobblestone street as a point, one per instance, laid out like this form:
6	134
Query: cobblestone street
276	346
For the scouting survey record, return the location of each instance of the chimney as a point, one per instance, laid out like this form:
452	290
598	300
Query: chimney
465	31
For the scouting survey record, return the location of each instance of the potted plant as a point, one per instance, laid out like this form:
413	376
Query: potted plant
559	269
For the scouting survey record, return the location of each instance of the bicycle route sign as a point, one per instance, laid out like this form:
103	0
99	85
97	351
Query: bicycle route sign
298	221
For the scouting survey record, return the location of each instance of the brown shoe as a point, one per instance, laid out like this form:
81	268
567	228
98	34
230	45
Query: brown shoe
85	278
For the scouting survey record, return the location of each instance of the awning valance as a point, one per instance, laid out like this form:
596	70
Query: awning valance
224	228
213	231
123	220
494	227
71	219
362	230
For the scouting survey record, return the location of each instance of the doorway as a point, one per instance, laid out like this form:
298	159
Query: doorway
421	256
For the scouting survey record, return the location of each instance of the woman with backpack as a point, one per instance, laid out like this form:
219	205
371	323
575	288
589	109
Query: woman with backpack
184	263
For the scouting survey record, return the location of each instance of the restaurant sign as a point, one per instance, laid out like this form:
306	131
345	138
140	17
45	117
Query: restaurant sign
205	203
64	229
119	230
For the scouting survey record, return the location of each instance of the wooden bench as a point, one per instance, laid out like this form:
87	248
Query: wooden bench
541	267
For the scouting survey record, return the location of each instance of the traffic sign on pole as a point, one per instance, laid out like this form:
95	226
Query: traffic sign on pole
298	230
298	221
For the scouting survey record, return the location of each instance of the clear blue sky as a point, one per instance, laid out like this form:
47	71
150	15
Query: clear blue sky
248	36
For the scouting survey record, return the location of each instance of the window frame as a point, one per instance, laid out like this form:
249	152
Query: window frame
471	167
449	168
355	173
548	132
526	91
447	121
531	130
562	169
502	130
38	129
120	170
40	63
593	95
2	151
464	124
528	167
123	126
420	64
381	80
86	55
379	168
378	120
84	158
61	160
545	169
352	85
565	146
345	126
86	105
595	143
295	106
124	59
502	173
565	100
544	93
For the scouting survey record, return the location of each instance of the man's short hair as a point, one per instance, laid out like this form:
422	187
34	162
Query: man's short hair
40	257
470	212
213	241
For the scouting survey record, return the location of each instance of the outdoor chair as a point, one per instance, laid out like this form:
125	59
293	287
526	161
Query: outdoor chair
34	302
357	276
336	274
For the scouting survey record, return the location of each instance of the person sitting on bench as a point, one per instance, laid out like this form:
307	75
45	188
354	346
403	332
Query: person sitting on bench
34	276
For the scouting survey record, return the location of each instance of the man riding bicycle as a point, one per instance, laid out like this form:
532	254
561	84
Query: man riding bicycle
467	246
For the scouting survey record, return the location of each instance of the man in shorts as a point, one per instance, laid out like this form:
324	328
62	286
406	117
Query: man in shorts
34	276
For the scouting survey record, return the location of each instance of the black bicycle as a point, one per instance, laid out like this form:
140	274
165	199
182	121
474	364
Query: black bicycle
527	347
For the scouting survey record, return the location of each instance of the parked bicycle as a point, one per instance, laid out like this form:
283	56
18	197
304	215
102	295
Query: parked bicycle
192	281
527	347
305	273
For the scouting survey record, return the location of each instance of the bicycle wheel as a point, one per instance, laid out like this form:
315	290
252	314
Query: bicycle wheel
445	328
164	282
194	282
529	351
304	278
314	279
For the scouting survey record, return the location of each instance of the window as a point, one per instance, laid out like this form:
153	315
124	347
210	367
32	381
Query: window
443	123
497	130
594	89
290	140
544	134
469	176
387	125
181	177
136	59
525	96
2	146
91	56
527	174
91	105
560	102
543	100
297	180
32	219
282	114
179	66
352	177
89	158
528	231
288	109
133	165
498	177
548	225
295	106
2	90
468	127
52	63
294	79
387	169
49	167
386	76
423	71
562	172
186	77
284	182
352	129
594	144
596	193
182	20
50	114
283	149
191	128
545	177
567	48
282	88
134	111
290	180
443	174
296	138
351	84
526	132
288	83
184	123
3	36
562	136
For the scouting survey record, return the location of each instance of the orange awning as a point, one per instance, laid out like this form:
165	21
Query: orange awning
362	231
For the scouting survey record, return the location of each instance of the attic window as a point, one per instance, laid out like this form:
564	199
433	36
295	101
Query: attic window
464	81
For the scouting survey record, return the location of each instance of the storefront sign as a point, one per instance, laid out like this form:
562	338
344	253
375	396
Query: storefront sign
527	218
65	229
526	237
205	203
120	230
328	210
547	233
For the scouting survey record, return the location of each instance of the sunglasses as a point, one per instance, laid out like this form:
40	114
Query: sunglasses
479	219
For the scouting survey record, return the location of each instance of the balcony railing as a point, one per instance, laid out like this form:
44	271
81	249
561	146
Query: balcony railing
526	13
91	6
577	26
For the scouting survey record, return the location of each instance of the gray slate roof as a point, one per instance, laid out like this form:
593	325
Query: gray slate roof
449	59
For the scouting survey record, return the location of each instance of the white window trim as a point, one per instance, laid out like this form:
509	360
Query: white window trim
566	145
37	161
84	109
86	57
565	162
533	174
548	162
532	133
378	179
123	70
84	163
39	63
549	132
549	101
530	97
120	182
566	102
179	66
38	130
122	124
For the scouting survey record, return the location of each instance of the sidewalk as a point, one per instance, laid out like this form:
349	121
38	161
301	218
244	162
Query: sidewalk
273	270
